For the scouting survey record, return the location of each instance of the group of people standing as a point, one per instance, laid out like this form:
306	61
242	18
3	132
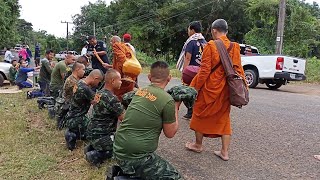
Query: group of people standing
18	72
131	133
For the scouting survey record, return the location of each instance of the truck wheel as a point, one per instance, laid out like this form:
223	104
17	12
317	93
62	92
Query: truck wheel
274	86
1	80
251	78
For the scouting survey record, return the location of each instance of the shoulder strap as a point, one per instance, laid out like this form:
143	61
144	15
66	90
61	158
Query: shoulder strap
201	46
218	65
225	58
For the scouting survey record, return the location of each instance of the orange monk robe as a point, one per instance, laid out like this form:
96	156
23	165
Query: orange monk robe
211	111
120	51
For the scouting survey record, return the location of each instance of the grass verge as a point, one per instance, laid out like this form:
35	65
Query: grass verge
32	148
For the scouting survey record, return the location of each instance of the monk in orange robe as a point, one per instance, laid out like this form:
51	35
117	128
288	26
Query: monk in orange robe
120	52
211	113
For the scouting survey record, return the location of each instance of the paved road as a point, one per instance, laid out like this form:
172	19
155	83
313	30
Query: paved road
274	137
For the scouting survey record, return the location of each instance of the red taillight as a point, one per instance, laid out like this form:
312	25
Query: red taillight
279	63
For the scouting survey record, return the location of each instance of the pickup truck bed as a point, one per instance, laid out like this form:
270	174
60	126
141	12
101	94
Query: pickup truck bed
273	70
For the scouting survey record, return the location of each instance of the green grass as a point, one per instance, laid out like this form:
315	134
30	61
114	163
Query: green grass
32	148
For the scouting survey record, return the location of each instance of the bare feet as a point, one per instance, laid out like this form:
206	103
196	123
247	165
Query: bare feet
317	157
194	147
223	157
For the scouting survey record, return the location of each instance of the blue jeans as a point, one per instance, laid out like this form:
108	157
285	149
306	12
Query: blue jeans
24	84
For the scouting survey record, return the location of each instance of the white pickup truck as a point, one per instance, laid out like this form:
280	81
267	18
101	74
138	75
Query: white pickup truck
273	70
62	55
4	72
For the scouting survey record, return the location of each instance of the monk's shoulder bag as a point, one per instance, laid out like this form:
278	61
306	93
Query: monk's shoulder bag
239	94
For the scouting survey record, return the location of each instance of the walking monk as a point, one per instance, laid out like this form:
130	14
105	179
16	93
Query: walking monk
211	115
120	53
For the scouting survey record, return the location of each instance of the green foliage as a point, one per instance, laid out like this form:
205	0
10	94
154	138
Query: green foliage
9	13
313	70
301	34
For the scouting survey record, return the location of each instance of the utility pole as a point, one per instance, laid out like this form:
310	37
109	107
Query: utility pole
65	22
281	20
94	28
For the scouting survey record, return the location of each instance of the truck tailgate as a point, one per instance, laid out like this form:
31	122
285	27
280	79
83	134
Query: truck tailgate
294	65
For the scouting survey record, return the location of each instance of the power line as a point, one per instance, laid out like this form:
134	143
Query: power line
133	20
145	16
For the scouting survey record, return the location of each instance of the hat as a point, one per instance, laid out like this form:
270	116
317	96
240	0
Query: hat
127	37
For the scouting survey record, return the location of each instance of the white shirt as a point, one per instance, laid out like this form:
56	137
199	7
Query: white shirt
8	56
132	48
84	51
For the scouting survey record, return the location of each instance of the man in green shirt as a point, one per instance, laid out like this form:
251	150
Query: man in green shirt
45	72
13	72
151	111
58	73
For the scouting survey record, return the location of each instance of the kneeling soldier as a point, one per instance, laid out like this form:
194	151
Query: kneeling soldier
83	97
106	114
78	71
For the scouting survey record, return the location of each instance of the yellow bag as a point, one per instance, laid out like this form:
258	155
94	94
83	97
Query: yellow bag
131	67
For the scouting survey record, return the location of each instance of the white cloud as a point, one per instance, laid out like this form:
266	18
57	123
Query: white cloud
48	14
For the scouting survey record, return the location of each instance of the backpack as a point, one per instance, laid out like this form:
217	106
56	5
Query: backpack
238	90
191	71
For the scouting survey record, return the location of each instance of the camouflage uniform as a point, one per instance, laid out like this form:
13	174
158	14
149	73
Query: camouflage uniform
154	168
62	104
127	97
76	120
102	126
183	93
70	82
179	93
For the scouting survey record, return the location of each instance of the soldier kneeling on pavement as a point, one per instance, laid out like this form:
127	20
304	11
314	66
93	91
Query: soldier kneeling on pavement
151	111
103	124
78	71
83	97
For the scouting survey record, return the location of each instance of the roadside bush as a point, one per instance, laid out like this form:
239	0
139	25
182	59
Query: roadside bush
313	70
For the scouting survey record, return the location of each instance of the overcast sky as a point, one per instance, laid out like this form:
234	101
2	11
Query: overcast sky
48	14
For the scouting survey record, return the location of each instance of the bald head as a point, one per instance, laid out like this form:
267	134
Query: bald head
115	39
220	25
159	72
83	60
96	73
70	59
77	66
111	74
94	78
113	80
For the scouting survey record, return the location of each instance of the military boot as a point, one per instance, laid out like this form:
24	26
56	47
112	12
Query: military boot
51	111
88	148
60	122
97	157
71	139
116	173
